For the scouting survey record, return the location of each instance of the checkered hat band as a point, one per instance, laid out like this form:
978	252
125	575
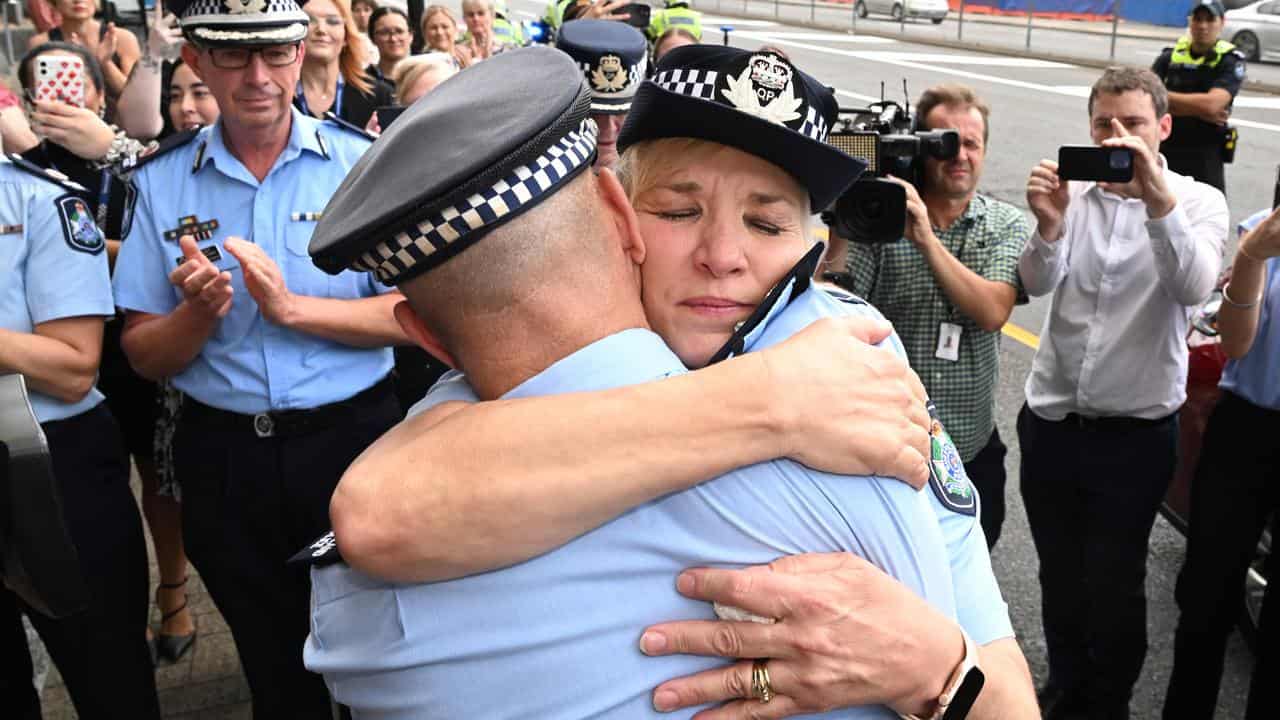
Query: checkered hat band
223	8
694	83
524	185
702	84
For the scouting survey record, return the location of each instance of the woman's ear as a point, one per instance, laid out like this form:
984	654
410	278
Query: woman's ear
622	214
420	334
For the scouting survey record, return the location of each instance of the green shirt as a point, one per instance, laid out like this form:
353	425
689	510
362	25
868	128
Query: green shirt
896	279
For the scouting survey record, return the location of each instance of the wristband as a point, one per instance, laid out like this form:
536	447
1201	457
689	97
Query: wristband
962	687
1243	306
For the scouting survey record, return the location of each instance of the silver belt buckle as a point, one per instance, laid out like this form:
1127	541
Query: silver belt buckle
263	425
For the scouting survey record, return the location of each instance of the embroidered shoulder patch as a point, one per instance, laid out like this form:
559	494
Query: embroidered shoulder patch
78	227
947	477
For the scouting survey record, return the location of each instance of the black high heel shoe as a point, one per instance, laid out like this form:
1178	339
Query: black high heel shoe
173	647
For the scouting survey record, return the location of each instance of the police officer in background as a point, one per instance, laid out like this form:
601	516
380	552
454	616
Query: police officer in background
677	14
284	367
55	294
612	56
1203	75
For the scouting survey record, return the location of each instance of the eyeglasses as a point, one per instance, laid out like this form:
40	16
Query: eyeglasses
390	33
235	58
332	21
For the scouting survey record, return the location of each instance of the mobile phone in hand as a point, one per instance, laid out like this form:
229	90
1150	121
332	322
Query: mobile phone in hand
1095	163
638	13
1275	197
60	78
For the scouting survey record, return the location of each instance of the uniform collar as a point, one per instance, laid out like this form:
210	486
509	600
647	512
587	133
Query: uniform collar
304	136
604	364
791	286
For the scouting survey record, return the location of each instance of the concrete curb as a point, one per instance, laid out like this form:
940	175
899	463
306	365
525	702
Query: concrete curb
1255	85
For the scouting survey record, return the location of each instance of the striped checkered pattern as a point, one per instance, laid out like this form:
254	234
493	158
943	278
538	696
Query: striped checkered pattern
702	84
218	12
526	184
694	83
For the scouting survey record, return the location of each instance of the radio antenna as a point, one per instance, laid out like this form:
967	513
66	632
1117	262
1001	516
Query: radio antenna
906	97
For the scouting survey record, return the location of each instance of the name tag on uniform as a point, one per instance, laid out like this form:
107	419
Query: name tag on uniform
209	251
948	342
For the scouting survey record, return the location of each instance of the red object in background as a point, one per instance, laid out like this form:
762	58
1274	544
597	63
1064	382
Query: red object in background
1059	10
42	15
7	98
1204	370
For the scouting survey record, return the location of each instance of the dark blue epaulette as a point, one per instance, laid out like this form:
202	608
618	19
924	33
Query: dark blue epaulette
324	551
332	119
50	175
137	160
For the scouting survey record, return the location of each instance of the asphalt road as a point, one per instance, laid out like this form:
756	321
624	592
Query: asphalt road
1036	106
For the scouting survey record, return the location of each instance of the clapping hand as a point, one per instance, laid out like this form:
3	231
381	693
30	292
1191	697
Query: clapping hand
202	286
263	280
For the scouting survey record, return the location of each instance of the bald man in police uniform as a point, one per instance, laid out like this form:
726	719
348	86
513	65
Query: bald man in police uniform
1203	74
612	56
284	368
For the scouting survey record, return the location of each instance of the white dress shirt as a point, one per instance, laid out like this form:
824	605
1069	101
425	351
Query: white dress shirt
1114	342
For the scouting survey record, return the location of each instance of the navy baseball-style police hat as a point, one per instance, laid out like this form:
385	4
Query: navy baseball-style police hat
612	56
437	181
757	102
240	22
1215	7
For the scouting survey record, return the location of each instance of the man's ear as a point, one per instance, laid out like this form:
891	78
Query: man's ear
1166	126
622	214
420	334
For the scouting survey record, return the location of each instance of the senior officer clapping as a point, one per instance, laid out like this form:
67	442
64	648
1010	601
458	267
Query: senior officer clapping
283	366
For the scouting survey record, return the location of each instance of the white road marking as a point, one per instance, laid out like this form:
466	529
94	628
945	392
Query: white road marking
833	37
900	60
990	60
736	22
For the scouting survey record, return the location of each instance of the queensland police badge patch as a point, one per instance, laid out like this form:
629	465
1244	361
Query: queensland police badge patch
947	477
78	227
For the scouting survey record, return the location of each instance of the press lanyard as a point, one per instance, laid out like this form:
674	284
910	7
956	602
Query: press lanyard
337	99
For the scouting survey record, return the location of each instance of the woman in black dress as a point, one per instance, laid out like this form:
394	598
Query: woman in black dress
333	68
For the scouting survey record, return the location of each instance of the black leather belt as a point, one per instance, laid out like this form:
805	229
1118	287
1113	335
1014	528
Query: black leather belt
1113	423
285	423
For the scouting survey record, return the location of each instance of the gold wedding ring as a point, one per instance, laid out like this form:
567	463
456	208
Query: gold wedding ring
760	687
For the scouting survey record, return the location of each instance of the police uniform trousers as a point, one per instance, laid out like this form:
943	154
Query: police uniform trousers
1091	490
1204	163
250	500
100	652
986	472
1236	488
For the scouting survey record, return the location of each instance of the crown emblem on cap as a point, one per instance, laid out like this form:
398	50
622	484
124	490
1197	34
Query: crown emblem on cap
764	89
243	7
609	74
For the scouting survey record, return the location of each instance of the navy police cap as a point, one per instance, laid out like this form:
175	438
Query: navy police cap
240	22
612	57
481	148
757	102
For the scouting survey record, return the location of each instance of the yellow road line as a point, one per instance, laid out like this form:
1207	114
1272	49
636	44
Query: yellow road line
1022	335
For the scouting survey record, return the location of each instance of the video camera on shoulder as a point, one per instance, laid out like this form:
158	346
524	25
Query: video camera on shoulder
884	134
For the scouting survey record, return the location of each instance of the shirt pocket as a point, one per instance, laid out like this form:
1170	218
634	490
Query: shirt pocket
300	274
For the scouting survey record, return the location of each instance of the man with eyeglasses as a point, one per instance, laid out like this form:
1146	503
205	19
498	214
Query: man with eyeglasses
284	367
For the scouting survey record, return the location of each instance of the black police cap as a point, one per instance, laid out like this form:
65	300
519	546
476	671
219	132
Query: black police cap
484	146
1215	7
241	22
612	56
757	102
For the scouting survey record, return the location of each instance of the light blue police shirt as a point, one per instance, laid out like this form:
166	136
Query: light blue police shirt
1253	377
557	636
250	365
981	609
53	265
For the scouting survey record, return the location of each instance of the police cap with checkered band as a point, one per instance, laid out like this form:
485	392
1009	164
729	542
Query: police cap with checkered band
612	56
240	22
480	149
757	102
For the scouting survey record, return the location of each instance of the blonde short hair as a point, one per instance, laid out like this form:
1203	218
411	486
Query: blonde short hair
409	70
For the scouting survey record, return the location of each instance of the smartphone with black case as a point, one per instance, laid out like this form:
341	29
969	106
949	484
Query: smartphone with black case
1095	163
638	15
1275	197
387	114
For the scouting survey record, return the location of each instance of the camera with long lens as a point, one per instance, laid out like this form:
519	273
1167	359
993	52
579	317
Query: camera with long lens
874	210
